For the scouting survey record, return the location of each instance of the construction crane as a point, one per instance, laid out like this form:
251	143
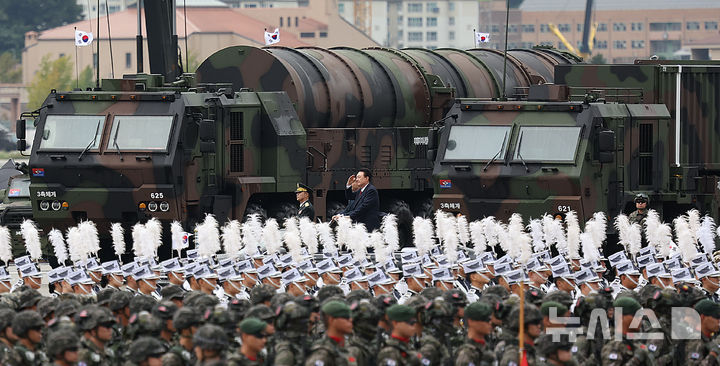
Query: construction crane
589	30
362	12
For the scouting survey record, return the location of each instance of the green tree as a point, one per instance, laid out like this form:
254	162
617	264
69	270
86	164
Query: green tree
10	70
598	59
19	17
55	74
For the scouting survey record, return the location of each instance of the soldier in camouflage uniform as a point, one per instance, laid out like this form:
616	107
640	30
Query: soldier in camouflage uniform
475	350
626	351
254	339
96	323
363	343
210	344
554	352
6	344
638	216
398	350
145	351
291	325
181	353
704	351
330	349
533	329
27	326
437	322
587	350
62	349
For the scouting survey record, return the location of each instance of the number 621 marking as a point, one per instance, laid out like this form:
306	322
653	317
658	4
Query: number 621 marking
562	208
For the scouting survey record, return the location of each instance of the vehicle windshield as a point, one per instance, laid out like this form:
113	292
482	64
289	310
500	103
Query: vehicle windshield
19	187
72	132
477	142
140	133
556	143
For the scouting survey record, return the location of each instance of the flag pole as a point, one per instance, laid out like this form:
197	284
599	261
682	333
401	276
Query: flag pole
507	21
77	68
475	42
521	328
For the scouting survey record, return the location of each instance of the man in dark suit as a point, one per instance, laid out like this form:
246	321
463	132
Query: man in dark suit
363	200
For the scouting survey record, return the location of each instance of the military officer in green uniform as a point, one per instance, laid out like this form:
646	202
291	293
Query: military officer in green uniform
638	216
475	350
306	209
626	351
398	351
254	337
330	349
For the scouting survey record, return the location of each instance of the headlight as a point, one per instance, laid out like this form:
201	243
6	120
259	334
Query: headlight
44	205
56	205
152	206
164	206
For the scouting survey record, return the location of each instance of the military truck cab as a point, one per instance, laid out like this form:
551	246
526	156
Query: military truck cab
537	156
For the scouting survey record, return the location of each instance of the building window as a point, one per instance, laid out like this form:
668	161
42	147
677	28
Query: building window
528	28
281	22
564	28
414	22
307	34
663	27
451	36
296	22
451	21
451	6
512	28
323	34
400	19
544	28
600	44
414	8
251	5
431	36
638	44
495	28
128	60
579	27
711	25
341	8
61	55
619	27
621	45
602	27
288	23
692	25
637	26
431	22
432	8
415	36
400	35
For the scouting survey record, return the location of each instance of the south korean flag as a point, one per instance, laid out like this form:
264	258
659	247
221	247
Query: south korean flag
83	38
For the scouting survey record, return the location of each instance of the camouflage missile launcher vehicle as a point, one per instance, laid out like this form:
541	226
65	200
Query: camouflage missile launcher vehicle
610	132
237	136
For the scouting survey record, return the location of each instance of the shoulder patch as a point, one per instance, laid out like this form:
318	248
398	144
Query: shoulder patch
30	356
574	349
512	363
319	363
82	363
471	363
695	355
95	357
652	347
613	356
390	363
425	361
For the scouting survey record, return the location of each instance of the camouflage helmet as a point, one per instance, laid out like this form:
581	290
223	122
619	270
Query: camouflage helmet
141	303
46	306
292	317
328	291
144	324
62	324
239	307
190	297
92	317
144	348
384	301
261	293
690	295
59	342
28	298
532	315
547	346
119	300
104	296
6	317
561	297
185	318
357	295
309	302
417	302
279	299
456	298
222	318
586	304
164	310
204	302
497	290
431	292
25	321
662	301
642	196
437	313
262	312
210	337
365	317
646	293
534	296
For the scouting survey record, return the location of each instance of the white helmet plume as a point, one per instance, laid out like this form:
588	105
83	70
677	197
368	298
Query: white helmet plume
232	238
118	238
30	234
57	240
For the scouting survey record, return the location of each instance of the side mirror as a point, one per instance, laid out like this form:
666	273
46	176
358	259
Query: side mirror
207	130
20	129
21	145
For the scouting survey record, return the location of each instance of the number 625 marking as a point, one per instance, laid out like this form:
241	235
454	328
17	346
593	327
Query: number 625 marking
156	195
